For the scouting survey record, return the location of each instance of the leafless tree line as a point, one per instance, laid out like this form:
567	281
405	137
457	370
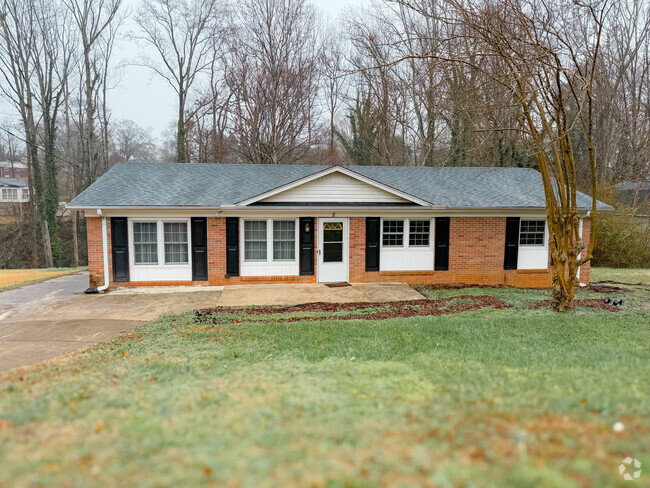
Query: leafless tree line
402	82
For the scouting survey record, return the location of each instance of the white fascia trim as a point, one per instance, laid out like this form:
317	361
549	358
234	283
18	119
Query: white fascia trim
327	171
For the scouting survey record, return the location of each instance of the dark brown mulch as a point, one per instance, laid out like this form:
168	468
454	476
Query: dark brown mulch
459	286
607	288
595	303
610	282
410	308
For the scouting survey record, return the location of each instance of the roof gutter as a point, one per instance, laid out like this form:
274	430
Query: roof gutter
104	287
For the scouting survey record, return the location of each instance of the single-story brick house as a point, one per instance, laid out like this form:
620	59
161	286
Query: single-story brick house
220	224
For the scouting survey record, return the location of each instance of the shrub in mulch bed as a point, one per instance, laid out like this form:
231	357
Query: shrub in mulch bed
387	310
595	303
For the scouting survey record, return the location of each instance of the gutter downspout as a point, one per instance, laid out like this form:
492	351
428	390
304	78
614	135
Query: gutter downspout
105	254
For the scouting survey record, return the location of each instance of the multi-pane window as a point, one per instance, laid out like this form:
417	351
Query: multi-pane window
145	242
255	240
176	243
25	194
284	240
393	233
419	232
531	232
10	194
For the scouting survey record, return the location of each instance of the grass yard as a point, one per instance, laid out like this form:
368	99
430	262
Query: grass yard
491	397
17	278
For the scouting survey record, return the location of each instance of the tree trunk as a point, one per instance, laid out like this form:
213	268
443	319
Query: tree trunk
75	237
47	246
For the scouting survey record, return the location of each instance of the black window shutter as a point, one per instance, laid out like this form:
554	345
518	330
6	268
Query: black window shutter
232	246
306	246
441	258
372	243
199	249
120	245
512	243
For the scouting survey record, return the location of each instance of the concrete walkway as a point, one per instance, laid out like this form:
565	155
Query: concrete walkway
52	318
48	319
280	294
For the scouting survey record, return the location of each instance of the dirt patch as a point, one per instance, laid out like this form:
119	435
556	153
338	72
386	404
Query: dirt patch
380	310
607	288
595	303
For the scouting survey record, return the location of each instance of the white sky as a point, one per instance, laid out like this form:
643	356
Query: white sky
148	100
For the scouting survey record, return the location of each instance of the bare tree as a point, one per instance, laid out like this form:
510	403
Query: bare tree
183	34
93	19
132	142
333	81
272	72
547	54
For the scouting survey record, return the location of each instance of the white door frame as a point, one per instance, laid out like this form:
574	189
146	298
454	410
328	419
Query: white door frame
346	247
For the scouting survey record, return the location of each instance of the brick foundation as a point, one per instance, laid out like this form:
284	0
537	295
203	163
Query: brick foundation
476	252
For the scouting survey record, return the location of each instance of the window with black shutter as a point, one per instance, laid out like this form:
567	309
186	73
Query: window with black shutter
232	246
199	249
373	232
441	257
512	243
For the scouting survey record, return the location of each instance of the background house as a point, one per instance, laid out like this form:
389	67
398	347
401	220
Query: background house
13	169
14	196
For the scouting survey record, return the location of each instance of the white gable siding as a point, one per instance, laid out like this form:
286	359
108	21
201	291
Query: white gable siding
335	187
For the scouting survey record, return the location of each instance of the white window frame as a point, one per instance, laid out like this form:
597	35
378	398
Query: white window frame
160	233
11	195
544	239
243	241
419	246
269	241
25	194
187	242
407	233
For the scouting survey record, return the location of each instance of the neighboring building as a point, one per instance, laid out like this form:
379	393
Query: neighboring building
220	224
15	169
633	192
14	196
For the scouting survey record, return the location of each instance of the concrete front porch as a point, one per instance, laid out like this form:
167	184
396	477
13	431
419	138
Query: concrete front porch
293	294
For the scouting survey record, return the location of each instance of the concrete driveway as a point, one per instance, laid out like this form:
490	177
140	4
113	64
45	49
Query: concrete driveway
48	319
52	318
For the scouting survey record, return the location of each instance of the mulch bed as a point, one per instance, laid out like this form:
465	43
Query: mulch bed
410	308
460	286
598	288
610	282
595	303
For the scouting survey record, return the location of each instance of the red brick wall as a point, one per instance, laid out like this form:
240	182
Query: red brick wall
476	250
95	251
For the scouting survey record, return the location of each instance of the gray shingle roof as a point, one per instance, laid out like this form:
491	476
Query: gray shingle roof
215	185
13	182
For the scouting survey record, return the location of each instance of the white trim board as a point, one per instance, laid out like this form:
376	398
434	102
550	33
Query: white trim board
326	172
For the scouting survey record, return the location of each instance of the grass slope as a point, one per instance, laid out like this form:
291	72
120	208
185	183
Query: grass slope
11	279
512	397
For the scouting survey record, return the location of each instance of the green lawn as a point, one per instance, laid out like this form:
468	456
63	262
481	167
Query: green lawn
513	397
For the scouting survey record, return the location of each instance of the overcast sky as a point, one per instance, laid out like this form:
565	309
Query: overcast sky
148	100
